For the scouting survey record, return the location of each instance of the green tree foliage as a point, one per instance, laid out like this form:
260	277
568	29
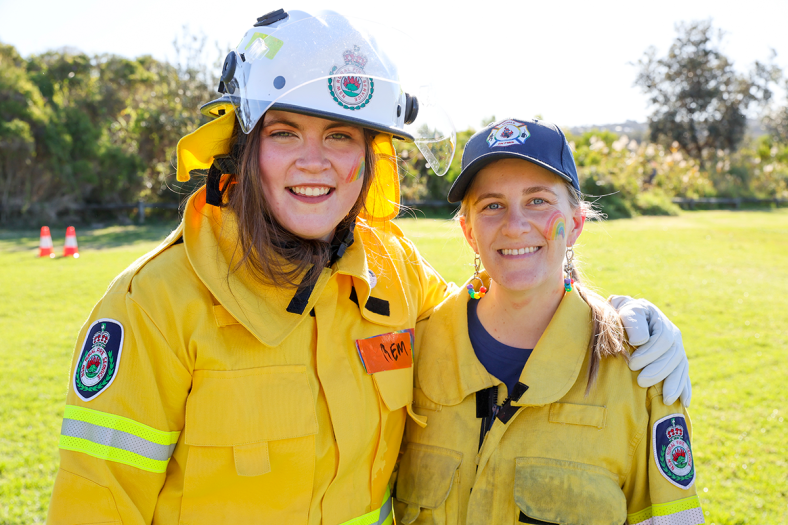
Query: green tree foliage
699	101
776	119
78	129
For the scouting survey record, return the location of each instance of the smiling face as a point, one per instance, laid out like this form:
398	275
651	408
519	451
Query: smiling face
312	171
519	219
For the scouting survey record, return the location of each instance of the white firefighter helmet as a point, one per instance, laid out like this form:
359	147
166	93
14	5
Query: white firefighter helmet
329	66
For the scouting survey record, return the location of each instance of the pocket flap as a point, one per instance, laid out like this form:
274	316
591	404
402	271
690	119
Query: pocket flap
252	460
569	493
395	387
223	317
426	475
569	413
239	407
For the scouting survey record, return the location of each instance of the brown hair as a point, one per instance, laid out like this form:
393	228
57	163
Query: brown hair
607	331
271	252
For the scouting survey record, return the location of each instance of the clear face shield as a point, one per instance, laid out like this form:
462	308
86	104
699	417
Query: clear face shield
336	68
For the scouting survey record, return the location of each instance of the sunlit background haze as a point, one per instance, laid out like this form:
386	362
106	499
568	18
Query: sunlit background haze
571	62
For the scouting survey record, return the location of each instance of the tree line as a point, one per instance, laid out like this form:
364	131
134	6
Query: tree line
697	145
79	129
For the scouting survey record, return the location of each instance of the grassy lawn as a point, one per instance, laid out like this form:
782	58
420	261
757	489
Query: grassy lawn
719	275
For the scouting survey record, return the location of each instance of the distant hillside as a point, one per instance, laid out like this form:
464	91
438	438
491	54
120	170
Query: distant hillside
639	130
630	128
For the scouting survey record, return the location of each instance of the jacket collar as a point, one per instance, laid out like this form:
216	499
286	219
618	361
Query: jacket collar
449	370
210	235
375	257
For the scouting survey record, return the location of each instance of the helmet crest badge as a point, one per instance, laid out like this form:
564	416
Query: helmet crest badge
348	85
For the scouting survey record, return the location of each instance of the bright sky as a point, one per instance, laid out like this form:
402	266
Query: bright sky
568	61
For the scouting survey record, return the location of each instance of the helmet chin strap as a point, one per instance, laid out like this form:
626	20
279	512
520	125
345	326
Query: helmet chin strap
343	239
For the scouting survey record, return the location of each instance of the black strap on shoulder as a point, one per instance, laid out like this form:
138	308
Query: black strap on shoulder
378	306
374	305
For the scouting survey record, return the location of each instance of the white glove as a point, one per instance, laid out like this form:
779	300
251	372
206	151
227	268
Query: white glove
660	352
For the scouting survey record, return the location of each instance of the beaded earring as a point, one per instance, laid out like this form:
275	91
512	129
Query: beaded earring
569	270
477	262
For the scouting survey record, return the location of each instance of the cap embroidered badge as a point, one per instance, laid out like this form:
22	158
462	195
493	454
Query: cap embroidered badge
531	140
508	133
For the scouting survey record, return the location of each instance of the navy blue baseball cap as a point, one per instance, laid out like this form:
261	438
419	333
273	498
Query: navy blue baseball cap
534	140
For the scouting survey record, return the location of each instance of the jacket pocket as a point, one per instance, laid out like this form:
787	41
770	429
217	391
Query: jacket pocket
395	387
557	491
79	501
249	432
428	485
572	414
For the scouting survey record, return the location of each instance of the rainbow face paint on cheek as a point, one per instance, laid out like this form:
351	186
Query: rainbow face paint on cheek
356	171
556	226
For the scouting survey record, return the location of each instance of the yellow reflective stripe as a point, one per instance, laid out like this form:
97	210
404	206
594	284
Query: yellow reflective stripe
118	455
639	517
664	509
123	424
372	518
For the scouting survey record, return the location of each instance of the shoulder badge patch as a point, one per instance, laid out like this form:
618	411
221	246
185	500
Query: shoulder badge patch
99	360
672	451
508	133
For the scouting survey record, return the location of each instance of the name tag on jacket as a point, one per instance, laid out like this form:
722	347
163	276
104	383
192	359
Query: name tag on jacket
390	351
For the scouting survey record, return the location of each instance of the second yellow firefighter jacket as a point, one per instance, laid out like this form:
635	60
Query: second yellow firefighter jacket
198	395
556	455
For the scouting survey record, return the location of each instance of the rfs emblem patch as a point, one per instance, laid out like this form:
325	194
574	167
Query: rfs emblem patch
98	362
348	85
508	133
672	451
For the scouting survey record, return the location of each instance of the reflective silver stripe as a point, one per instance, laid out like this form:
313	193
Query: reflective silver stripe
116	439
385	510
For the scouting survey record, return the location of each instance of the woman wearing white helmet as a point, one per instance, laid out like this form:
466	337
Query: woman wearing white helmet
257	366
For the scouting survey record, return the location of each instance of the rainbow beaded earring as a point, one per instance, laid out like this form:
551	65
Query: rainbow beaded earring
569	270
477	262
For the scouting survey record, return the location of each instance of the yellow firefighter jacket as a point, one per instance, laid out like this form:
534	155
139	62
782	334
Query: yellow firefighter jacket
199	396
617	455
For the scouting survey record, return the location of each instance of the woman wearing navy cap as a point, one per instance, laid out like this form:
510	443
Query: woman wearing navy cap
526	408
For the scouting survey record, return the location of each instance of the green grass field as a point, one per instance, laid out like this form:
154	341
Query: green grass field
719	275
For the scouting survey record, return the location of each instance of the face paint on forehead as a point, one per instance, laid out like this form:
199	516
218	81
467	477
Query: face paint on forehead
556	226
357	170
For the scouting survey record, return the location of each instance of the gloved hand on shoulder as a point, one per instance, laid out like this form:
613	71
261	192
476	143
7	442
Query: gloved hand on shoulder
660	352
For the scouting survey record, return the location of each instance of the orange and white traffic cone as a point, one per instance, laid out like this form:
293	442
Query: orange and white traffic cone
71	247
45	245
